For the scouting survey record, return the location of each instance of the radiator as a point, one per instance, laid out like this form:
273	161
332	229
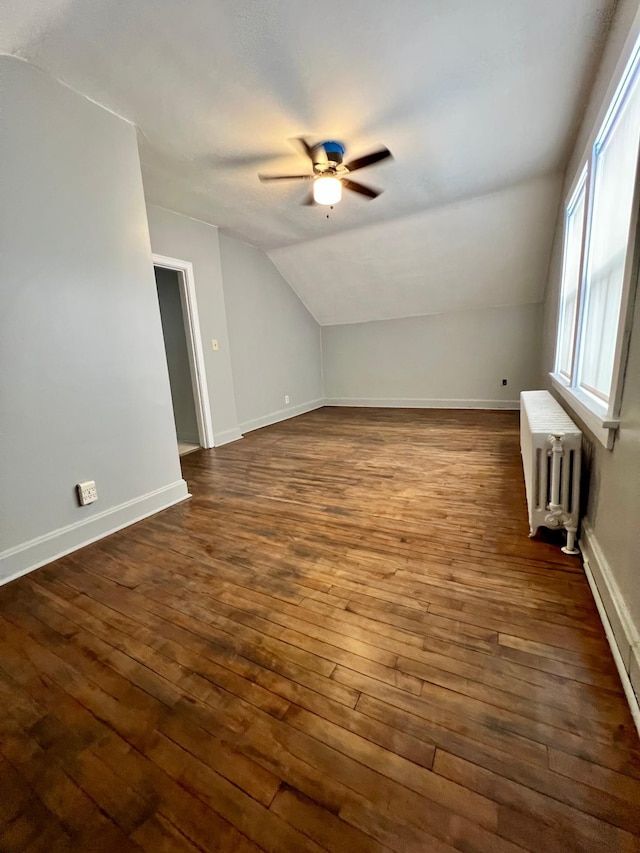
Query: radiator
550	443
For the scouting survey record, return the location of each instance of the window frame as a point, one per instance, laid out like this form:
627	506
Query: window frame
602	418
582	184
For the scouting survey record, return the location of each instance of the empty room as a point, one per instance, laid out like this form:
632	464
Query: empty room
319	426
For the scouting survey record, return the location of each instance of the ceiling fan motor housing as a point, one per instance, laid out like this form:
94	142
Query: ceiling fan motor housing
334	151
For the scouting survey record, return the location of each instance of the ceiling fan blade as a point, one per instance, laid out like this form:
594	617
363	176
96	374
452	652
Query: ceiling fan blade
369	159
239	160
360	188
315	153
308	201
301	142
264	178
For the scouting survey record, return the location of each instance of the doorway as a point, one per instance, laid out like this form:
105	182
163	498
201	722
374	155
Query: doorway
183	349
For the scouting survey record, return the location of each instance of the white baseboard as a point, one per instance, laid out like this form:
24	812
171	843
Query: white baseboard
28	556
226	437
421	403
281	415
634	674
621	632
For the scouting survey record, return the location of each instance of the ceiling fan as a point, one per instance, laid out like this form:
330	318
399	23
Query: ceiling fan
330	174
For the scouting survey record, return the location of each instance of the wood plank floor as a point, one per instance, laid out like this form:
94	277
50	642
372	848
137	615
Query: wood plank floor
345	641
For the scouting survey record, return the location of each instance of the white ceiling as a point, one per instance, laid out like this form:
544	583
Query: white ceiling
472	97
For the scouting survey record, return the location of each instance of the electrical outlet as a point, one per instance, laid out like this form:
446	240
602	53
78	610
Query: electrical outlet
87	492
504	381
286	399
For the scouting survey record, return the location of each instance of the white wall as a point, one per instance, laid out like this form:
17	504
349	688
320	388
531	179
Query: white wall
176	236
457	359
84	392
275	342
610	531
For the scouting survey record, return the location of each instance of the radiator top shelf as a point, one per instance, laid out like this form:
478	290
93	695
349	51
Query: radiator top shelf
545	415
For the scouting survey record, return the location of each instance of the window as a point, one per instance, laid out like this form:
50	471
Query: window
599	239
573	242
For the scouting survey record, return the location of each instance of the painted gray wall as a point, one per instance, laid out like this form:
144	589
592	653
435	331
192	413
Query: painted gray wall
175	345
84	392
275	342
613	510
614	493
176	236
461	357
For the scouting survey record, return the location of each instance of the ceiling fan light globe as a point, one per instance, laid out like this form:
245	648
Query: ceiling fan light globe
327	190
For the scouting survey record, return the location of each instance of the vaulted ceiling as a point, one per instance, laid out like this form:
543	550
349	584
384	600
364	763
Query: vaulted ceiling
478	100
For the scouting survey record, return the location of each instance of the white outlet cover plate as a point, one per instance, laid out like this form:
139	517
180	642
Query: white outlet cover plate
87	492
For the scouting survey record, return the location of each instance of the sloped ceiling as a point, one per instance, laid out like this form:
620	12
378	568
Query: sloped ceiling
486	251
477	99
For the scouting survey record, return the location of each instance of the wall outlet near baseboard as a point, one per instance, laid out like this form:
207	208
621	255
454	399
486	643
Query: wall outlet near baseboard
286	399
87	492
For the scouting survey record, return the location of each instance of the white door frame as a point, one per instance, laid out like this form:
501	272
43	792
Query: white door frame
194	343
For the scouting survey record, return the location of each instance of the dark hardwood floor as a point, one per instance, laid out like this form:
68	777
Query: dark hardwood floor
345	641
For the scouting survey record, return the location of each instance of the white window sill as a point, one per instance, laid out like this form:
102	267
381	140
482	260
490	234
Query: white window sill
588	411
